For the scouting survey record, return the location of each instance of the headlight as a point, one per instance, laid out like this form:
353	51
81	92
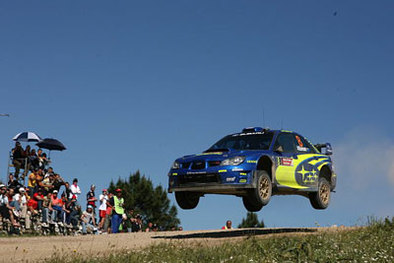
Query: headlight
233	160
175	165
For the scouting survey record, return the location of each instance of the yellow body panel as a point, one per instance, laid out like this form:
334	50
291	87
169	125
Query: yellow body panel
286	169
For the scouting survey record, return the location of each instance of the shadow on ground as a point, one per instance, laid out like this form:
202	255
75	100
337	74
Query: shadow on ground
239	232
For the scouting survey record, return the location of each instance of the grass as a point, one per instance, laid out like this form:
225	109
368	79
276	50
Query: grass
373	243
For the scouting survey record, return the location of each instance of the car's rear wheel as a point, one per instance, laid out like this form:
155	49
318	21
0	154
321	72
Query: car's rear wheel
261	195
187	200
321	198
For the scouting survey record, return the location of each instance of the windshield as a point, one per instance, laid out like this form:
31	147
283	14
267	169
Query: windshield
244	142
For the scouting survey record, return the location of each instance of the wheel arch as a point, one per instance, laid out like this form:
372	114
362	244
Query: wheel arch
265	163
326	172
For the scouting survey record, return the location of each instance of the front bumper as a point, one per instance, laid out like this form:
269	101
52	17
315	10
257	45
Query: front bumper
219	181
213	188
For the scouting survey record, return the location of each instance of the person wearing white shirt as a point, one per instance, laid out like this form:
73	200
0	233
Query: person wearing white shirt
103	198
75	190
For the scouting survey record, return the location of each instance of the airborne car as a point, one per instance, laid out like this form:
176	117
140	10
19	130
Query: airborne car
256	164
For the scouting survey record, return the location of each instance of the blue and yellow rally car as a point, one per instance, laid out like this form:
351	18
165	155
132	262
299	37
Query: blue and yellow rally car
256	164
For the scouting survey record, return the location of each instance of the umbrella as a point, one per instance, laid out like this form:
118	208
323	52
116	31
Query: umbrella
26	137
51	144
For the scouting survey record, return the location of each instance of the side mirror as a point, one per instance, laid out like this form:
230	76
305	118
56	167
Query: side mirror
328	149
327	146
278	149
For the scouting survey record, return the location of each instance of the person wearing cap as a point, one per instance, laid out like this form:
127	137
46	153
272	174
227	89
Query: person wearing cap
103	198
56	205
17	199
88	220
91	198
23	205
117	203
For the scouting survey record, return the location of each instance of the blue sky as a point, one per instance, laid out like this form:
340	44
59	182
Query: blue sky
132	85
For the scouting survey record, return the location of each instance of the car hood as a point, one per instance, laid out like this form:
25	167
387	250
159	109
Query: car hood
220	155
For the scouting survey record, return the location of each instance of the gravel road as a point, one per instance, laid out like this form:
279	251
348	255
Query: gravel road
32	249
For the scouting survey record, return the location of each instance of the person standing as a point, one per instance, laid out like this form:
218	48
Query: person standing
91	198
18	158
103	198
75	190
117	203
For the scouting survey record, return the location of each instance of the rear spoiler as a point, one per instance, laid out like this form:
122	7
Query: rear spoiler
324	145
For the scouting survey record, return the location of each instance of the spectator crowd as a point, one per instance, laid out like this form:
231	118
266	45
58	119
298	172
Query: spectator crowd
50	204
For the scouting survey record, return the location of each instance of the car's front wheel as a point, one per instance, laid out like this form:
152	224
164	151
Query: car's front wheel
321	198
187	200
250	205
261	195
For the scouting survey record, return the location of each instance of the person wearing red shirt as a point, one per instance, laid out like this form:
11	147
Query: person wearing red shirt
57	206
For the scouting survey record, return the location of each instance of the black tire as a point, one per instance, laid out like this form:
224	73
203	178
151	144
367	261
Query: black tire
250	206
261	195
187	200
321	198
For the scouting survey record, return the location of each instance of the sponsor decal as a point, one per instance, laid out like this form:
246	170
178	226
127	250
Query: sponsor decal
302	149
307	174
286	161
251	161
242	180
230	179
222	171
237	169
175	174
243	174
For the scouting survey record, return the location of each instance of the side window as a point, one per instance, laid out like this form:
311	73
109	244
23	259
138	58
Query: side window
286	140
302	145
307	145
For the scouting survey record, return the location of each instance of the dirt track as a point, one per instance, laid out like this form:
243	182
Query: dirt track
31	249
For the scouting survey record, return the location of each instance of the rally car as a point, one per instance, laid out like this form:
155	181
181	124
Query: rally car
256	164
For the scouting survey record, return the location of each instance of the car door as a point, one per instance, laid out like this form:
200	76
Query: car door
306	173
309	163
285	148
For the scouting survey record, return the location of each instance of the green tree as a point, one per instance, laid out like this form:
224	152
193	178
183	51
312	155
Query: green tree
149	201
251	220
